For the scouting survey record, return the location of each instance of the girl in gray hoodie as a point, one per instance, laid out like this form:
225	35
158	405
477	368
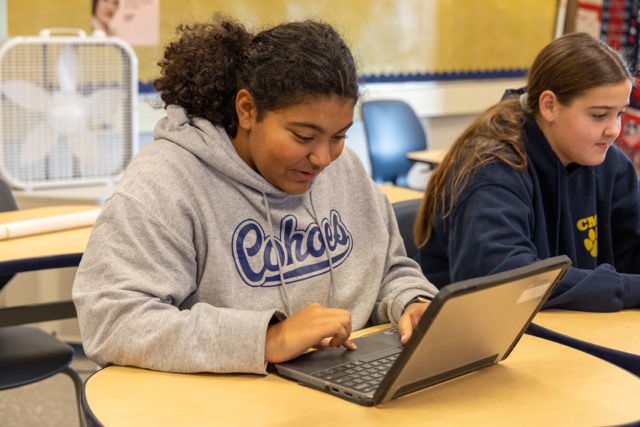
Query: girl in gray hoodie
247	232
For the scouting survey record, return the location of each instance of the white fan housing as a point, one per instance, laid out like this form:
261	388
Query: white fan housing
68	112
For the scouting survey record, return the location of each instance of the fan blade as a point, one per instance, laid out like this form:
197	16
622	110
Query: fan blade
68	69
105	101
27	95
84	146
38	143
68	112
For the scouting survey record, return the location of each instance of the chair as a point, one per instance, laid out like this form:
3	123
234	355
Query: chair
29	354
406	213
392	129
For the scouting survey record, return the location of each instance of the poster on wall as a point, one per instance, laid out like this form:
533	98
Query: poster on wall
136	21
617	22
588	17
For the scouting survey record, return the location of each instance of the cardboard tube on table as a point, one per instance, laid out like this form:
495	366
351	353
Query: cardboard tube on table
11	230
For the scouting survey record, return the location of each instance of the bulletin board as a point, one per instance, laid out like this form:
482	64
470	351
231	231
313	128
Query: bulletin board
617	23
393	40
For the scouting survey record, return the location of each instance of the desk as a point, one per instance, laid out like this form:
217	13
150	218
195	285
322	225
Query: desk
81	195
400	194
619	330
41	251
610	336
541	383
38	252
432	156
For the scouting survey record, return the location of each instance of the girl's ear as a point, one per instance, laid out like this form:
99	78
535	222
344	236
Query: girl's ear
245	109
548	105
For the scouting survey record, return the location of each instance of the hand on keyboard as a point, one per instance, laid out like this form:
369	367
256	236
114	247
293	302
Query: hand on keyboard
313	326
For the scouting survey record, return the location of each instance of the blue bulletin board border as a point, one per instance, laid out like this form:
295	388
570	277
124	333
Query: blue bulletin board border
147	87
438	77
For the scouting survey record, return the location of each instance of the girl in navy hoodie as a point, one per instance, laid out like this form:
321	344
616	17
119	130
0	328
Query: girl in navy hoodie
537	175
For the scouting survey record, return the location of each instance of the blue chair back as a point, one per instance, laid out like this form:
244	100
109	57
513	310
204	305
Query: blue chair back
392	129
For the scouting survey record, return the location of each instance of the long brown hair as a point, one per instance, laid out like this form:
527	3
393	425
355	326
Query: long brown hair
568	66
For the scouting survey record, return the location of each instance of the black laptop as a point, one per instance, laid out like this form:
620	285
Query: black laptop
469	325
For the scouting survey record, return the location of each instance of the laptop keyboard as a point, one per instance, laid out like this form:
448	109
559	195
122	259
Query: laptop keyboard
363	376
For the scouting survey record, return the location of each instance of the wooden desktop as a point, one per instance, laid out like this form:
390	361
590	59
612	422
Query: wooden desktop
397	194
540	383
432	156
617	330
40	251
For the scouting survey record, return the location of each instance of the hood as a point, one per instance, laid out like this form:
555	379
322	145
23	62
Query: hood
212	146
541	153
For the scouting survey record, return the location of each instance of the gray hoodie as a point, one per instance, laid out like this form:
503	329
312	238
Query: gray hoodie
195	253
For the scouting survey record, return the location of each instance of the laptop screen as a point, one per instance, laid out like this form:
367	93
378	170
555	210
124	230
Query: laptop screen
472	324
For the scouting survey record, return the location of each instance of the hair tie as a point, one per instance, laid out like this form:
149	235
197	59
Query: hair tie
524	102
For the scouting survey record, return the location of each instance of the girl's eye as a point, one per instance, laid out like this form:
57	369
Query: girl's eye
339	137
302	138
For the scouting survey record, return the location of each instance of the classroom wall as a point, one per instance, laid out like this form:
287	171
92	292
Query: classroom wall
418	39
440	44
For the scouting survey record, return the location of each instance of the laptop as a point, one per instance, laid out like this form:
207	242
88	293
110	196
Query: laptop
469	325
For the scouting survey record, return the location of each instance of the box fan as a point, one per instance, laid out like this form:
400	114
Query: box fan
69	109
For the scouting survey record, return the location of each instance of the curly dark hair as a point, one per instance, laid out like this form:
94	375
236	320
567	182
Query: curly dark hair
203	70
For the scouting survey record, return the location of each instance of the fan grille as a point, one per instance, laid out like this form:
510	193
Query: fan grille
67	112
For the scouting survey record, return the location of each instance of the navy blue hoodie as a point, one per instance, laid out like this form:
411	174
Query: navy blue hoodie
508	218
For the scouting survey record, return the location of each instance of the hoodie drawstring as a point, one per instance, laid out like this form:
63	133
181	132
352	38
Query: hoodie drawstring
283	291
330	302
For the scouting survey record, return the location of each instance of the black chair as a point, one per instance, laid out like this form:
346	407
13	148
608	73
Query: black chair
29	354
392	130
406	213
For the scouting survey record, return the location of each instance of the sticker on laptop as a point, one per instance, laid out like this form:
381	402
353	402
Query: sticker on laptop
534	292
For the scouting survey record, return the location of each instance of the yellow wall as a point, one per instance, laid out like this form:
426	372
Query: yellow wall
387	36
